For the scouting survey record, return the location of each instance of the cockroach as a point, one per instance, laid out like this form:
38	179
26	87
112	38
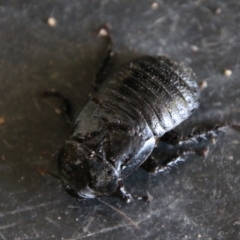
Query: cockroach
116	131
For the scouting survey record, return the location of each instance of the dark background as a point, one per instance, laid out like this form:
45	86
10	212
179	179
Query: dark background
199	199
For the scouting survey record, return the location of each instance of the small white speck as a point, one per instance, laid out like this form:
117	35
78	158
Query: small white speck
199	236
92	154
52	22
227	72
154	5
58	111
235	142
103	32
59	218
218	11
194	48
76	219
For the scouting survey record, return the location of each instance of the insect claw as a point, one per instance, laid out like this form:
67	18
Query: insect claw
129	198
148	197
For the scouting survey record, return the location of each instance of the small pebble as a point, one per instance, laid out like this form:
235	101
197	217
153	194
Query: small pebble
103	32
218	11
58	111
194	48
52	22
154	5
227	72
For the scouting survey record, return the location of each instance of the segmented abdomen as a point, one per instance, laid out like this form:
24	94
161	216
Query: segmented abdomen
155	90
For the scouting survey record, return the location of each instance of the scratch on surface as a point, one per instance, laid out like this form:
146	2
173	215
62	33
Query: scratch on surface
36	233
154	212
28	208
2	236
85	229
7	226
159	20
51	221
8	144
174	24
17	192
98	232
36	104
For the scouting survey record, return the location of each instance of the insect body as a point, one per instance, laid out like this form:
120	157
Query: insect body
115	133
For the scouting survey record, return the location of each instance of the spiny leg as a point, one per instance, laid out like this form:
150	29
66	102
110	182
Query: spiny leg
161	163
177	139
173	147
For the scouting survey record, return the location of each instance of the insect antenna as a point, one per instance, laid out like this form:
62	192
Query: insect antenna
43	171
120	212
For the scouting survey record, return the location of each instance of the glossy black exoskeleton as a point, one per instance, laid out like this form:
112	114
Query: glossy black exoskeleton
117	131
116	134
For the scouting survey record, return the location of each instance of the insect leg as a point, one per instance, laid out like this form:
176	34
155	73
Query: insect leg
196	137
99	78
173	147
65	109
154	165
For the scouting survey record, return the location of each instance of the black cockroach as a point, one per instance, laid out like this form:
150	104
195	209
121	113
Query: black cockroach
117	131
